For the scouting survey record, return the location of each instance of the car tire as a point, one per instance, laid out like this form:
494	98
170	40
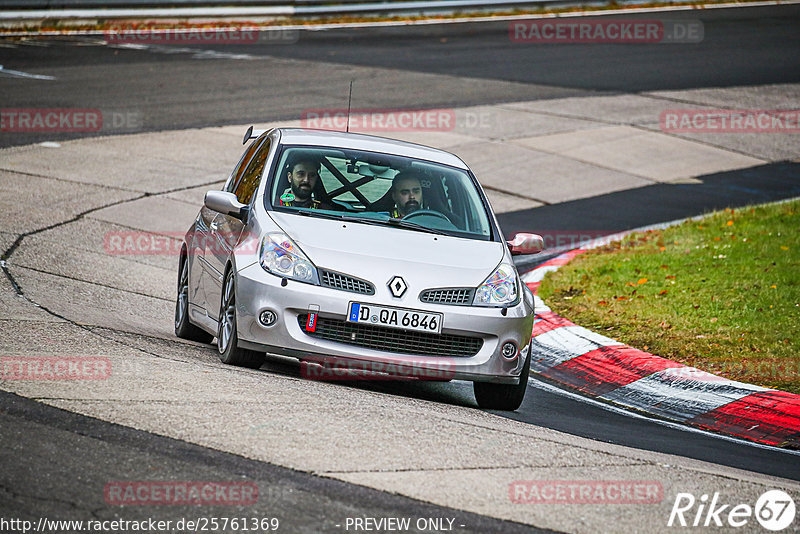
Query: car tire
227	337
183	328
504	396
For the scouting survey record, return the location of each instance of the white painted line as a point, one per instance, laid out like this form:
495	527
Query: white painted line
627	413
197	53
539	306
537	275
20	74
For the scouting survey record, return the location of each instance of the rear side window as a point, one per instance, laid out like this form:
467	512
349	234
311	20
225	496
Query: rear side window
248	183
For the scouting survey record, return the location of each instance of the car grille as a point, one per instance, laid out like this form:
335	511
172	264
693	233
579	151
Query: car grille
391	339
458	296
345	283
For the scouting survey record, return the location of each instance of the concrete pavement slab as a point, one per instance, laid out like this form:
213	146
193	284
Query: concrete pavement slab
15	307
105	268
508	494
47	338
641	153
195	195
193	158
92	236
630	109
510	121
30	203
770	146
444	140
287	432
535	175
504	202
771	96
6	240
91	304
83	455
157	214
765	146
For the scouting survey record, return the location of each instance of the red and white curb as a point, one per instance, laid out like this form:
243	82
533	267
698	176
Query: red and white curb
596	366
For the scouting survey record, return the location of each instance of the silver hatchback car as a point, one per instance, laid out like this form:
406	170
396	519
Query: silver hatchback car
366	258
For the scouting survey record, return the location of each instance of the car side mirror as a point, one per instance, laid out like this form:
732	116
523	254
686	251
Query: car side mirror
226	203
525	244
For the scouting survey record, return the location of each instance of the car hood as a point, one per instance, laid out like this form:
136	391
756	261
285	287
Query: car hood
378	253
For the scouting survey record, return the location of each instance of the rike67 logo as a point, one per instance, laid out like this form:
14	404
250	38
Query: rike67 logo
774	510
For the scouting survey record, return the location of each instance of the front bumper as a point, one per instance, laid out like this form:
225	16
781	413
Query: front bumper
258	290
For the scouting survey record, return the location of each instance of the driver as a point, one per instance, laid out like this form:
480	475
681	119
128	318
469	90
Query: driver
302	175
406	193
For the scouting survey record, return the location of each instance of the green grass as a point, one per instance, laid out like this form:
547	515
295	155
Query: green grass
721	294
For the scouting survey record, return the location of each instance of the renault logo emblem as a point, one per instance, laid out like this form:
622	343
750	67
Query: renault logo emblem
397	286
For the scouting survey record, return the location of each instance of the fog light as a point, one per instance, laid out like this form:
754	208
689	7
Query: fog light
267	318
509	351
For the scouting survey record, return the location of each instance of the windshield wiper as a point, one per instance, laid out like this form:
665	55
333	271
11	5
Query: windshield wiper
315	213
335	216
413	226
377	222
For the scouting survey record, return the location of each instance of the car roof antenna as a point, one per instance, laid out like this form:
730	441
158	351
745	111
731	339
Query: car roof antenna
349	100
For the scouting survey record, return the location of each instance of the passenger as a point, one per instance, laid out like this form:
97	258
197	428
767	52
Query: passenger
406	193
303	175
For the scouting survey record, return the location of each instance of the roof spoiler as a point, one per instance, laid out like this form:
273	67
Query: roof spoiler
252	134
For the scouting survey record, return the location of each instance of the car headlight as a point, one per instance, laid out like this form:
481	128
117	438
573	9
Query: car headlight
500	289
280	256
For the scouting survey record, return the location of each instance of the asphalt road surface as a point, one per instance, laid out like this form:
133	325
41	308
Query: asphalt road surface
169	87
56	465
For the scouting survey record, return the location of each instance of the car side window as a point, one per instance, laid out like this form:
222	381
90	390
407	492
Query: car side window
248	183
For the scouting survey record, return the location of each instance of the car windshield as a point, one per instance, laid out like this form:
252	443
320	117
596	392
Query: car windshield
376	188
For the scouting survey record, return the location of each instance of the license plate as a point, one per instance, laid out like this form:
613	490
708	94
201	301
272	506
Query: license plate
395	318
